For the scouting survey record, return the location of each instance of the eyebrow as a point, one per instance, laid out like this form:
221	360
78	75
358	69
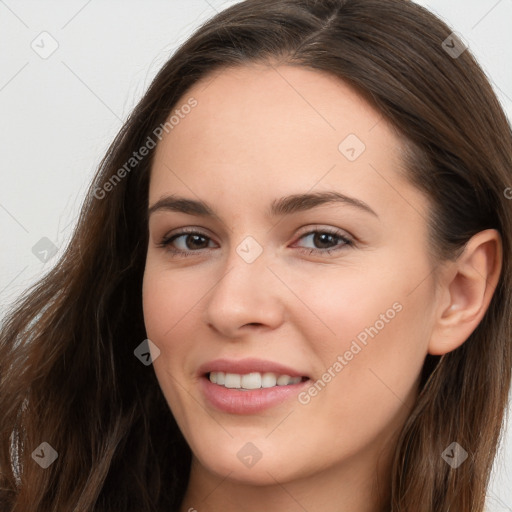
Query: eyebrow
279	207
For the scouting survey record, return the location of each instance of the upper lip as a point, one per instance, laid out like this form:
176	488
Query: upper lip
248	365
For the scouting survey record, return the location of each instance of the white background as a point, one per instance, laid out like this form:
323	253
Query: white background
58	115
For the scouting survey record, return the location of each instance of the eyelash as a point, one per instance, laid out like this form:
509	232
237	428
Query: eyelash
347	242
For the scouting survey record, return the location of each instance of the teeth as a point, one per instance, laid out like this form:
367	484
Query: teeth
283	380
253	380
268	380
233	380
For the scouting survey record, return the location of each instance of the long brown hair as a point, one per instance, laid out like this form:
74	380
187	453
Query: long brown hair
68	374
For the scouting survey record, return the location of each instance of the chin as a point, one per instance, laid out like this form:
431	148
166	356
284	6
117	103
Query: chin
247	462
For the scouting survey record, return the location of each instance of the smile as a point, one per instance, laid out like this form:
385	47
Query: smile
254	380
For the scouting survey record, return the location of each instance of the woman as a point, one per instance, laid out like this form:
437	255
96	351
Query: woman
304	226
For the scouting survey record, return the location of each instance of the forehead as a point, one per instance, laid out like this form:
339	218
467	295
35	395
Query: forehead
260	129
258	100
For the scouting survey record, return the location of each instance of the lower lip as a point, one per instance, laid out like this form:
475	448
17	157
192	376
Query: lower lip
236	401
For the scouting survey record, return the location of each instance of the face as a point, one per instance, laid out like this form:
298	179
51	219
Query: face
311	316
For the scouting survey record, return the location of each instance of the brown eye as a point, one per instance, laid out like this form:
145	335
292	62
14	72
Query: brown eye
185	243
326	241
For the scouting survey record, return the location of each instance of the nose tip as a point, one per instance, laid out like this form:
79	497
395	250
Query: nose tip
233	330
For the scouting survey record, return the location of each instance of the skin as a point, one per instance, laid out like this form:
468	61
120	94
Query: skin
259	133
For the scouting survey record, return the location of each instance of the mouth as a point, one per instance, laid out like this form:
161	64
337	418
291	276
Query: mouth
253	380
249	386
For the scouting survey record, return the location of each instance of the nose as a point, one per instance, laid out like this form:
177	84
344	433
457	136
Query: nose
246	296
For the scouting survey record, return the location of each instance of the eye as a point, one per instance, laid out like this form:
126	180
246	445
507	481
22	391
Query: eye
188	242
185	243
326	241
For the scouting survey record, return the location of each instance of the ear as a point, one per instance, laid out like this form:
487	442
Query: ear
466	286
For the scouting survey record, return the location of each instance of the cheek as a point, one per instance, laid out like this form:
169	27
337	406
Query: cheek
373	357
385	306
168	297
167	306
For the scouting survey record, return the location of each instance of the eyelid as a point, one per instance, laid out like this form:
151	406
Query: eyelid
175	234
304	231
347	238
189	230
325	229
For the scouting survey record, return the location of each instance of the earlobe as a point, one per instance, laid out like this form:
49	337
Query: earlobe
466	290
